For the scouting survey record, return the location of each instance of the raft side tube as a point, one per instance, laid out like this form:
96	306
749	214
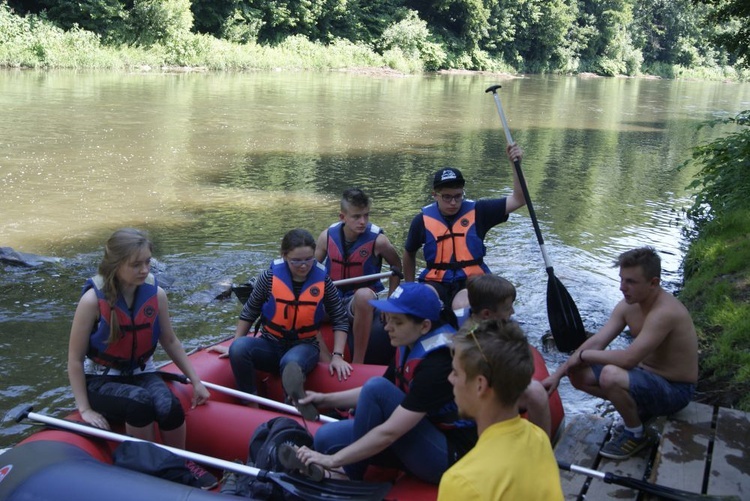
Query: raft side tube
49	470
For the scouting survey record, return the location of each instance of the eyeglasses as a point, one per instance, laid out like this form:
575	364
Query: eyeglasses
452	198
476	341
487	374
300	262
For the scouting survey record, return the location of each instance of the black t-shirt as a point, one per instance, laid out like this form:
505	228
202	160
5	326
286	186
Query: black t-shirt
430	391
489	213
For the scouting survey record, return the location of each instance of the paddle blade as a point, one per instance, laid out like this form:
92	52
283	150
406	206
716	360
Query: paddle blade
662	491
564	320
329	489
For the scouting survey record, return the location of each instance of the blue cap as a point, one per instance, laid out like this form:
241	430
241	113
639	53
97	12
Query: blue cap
412	298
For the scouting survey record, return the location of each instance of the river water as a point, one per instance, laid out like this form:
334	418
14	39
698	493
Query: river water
217	167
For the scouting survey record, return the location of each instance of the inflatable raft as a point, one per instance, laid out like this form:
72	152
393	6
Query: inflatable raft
61	465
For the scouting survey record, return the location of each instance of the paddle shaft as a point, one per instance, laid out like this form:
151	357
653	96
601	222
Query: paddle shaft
641	485
521	178
564	319
290	409
117	437
344	281
363	278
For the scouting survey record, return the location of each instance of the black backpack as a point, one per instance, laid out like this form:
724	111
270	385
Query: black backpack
151	459
263	454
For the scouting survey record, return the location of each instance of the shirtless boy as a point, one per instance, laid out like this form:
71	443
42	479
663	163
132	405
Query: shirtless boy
656	374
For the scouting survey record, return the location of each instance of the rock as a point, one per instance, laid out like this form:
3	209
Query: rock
16	258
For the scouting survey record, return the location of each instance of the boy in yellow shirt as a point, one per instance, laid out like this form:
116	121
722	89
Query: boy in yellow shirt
513	458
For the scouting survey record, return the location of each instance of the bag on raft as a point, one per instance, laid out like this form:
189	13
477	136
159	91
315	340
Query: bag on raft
263	454
153	460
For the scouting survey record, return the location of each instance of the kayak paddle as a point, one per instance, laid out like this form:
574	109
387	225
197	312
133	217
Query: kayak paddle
564	319
663	492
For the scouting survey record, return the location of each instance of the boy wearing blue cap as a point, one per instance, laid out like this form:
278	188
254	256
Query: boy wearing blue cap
408	418
451	230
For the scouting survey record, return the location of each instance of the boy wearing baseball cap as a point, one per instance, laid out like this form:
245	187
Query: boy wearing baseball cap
408	418
451	231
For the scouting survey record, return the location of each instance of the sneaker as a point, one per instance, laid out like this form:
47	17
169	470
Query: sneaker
228	483
623	445
203	478
293	380
287	455
646	420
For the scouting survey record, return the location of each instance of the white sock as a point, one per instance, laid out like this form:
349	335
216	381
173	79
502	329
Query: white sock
637	431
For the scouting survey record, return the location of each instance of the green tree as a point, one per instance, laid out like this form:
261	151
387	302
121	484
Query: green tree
152	21
672	32
722	184
104	17
533	35
733	16
610	49
412	37
210	15
466	21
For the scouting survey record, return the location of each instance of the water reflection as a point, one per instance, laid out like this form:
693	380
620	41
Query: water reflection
218	166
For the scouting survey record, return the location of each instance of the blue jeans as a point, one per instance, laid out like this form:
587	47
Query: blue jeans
248	354
422	451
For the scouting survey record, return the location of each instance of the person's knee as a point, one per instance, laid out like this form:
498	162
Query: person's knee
333	437
361	301
239	348
174	418
613	378
535	395
139	413
460	300
582	378
304	355
375	386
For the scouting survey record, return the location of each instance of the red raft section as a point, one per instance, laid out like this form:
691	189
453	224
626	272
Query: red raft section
59	465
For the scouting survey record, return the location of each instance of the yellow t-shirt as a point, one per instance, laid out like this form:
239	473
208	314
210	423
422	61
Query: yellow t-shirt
513	460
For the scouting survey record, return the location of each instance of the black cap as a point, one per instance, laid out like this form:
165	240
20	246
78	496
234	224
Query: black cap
448	176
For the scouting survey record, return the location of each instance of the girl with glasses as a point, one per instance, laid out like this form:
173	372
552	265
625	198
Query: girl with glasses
291	298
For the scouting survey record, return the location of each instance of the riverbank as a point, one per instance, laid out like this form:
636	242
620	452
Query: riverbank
717	267
35	42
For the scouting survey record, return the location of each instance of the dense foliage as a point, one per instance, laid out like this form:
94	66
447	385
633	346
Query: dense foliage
723	183
717	275
608	37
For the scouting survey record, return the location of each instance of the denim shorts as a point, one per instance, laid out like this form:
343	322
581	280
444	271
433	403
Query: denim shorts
654	395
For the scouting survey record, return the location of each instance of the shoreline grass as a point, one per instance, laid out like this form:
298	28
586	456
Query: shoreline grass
32	43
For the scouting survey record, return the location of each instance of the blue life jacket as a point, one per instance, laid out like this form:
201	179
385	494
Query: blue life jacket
139	327
407	361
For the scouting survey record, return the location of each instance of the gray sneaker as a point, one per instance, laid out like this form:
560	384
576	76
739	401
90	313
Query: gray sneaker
646	420
624	444
293	381
287	455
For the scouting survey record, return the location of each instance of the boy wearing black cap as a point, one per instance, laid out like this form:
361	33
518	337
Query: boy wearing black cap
451	233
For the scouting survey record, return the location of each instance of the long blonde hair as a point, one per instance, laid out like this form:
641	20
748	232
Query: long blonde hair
121	247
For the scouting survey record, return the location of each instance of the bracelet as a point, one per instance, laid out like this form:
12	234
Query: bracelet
580	356
337	353
83	411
